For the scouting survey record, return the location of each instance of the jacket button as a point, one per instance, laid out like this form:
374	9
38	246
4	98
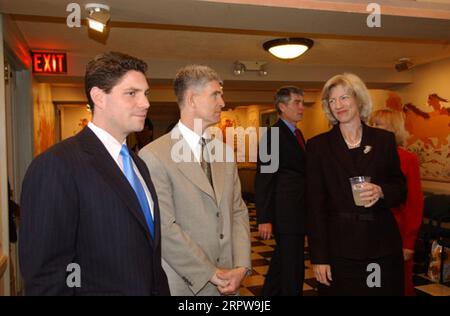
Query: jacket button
217	259
217	214
221	236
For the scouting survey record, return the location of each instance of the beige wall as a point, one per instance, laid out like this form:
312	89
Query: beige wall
427	79
314	121
73	120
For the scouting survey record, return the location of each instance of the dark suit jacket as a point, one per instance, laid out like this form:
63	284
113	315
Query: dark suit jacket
78	207
279	196
336	226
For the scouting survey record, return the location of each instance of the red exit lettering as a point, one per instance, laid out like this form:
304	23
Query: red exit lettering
49	63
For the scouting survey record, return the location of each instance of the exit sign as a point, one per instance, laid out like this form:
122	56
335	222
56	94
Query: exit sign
49	63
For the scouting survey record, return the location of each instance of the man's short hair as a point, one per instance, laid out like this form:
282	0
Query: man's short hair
107	69
283	95
193	76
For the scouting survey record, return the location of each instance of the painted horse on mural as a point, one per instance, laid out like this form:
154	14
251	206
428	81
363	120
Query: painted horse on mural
432	128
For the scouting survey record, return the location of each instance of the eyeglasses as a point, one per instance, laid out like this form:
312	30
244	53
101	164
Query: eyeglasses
342	98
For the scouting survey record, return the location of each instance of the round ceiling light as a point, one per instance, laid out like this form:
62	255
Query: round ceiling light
288	48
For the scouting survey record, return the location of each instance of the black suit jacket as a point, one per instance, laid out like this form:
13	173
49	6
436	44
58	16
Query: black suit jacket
279	196
336	226
78	207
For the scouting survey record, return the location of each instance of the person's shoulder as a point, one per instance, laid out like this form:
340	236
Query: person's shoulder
267	131
407	156
159	149
278	123
382	133
161	142
62	149
319	139
57	157
381	136
283	127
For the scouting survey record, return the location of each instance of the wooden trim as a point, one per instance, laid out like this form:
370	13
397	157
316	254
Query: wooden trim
3	265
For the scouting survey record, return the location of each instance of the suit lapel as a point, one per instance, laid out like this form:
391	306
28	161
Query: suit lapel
108	169
367	152
218	176
341	151
290	137
193	171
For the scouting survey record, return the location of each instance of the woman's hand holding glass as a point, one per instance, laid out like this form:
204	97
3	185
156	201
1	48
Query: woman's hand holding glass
371	193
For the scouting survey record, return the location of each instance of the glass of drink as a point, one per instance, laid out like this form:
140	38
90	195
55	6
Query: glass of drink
357	184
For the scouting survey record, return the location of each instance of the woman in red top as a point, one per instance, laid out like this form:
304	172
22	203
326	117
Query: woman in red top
409	214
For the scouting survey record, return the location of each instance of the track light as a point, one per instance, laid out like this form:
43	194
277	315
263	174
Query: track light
240	67
98	16
263	72
288	48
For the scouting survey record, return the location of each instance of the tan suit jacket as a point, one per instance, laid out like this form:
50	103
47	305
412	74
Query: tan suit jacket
202	228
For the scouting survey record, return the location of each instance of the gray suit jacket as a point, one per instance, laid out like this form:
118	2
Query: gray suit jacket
202	228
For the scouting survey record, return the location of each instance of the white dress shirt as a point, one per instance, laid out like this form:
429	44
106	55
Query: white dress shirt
193	139
114	148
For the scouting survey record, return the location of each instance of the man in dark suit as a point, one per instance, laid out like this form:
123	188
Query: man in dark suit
280	198
90	216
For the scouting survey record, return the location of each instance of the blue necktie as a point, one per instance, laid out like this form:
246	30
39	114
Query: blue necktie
137	187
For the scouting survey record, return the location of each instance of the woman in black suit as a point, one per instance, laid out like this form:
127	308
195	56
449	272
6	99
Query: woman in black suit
355	250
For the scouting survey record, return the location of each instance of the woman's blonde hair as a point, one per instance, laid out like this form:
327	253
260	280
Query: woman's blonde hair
354	85
394	121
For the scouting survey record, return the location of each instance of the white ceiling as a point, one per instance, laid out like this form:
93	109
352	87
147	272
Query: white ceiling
171	33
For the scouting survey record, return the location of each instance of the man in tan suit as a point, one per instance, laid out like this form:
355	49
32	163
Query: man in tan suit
205	225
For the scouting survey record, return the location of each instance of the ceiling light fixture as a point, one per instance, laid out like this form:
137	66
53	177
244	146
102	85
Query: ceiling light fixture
288	48
98	16
240	67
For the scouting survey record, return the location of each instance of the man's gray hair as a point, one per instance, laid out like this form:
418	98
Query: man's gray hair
193	76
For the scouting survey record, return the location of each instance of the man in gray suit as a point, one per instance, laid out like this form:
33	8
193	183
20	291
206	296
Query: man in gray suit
205	227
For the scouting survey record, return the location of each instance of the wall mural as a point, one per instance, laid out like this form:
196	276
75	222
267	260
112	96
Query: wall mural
429	134
44	118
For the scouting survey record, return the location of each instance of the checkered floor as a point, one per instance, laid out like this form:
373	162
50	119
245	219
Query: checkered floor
262	251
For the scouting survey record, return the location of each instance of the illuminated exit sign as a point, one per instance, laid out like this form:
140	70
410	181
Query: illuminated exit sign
49	63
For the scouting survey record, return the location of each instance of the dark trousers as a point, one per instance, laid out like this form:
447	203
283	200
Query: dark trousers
350	277
287	267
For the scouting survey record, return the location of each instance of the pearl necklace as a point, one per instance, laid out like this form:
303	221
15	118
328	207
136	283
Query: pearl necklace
353	145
